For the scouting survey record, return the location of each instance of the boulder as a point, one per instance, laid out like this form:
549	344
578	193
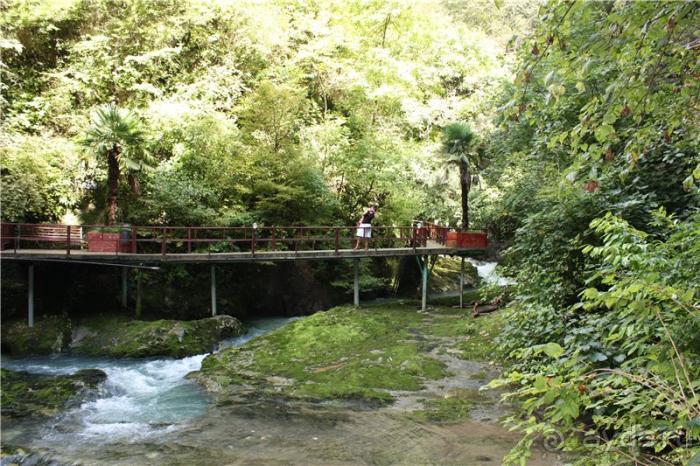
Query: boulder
119	337
50	334
26	394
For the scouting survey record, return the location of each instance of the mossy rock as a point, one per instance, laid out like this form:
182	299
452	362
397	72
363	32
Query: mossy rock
362	354
343	353
454	406
50	334
444	275
25	394
121	337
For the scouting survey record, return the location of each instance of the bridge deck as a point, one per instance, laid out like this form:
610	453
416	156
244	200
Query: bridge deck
48	255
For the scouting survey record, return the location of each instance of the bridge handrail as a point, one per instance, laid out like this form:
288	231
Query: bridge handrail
159	238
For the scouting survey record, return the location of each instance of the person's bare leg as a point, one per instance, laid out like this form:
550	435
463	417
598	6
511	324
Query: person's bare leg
366	243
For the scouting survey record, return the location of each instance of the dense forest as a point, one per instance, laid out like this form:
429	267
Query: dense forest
276	112
579	155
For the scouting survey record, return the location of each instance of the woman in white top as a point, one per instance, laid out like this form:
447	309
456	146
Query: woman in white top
364	226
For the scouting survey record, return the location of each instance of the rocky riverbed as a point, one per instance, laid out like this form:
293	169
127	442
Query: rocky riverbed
382	384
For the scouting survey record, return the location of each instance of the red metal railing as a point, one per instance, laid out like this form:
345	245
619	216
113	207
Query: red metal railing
177	239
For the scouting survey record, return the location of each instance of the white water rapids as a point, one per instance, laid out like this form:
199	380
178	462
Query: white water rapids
487	272
141	397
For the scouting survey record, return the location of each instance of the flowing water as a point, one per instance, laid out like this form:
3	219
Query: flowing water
148	414
143	397
140	398
487	272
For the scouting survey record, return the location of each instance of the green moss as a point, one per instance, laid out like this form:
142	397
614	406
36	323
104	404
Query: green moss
25	394
479	344
474	337
454	406
341	353
50	334
349	353
120	337
444	275
451	326
471	296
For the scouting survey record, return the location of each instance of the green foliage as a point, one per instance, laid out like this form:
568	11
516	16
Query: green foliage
458	144
201	177
273	115
624	371
40	178
545	257
261	112
117	137
595	136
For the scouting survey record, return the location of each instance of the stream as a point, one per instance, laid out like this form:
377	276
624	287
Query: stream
148	413
146	397
487	272
140	398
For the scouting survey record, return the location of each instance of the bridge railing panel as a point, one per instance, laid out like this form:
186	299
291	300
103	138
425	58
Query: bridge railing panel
126	239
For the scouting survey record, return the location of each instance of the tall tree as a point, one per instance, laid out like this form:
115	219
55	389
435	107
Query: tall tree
117	134
458	145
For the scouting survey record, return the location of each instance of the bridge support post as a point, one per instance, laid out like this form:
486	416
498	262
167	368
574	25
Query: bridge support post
30	296
424	273
124	286
461	285
356	290
139	293
213	290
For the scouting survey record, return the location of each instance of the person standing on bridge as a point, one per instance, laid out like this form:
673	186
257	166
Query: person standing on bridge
364	226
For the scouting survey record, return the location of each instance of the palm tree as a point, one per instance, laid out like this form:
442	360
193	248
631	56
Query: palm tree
118	134
458	145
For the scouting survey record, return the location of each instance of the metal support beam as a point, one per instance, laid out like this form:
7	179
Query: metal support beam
124	286
461	285
356	294
139	293
30	296
213	290
424	272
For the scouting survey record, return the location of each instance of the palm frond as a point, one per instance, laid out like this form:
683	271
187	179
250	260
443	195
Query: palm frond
457	143
113	126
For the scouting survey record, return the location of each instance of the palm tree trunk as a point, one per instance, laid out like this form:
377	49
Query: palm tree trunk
134	184
113	184
465	182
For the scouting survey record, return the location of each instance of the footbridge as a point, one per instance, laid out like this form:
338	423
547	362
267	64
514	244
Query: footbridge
147	247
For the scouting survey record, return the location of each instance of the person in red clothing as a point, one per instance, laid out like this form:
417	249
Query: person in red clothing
364	226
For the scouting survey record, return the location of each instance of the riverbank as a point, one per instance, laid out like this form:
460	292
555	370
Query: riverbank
118	336
382	384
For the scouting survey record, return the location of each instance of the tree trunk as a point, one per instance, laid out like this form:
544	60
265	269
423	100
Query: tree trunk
112	184
387	21
134	184
465	182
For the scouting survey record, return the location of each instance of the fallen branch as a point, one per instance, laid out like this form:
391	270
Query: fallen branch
482	307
